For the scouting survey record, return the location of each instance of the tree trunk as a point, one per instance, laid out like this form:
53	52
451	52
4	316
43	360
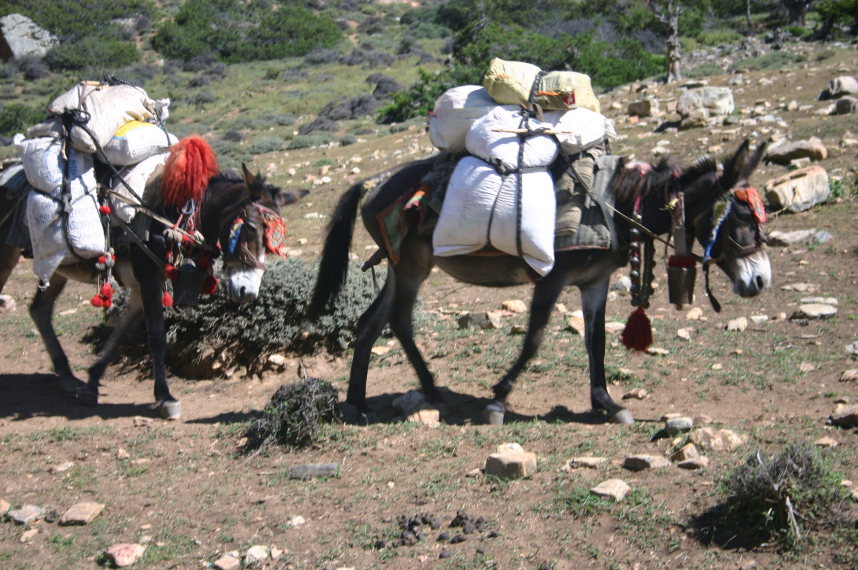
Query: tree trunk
668	12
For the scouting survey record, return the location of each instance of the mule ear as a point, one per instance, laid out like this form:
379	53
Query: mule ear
254	186
753	161
735	167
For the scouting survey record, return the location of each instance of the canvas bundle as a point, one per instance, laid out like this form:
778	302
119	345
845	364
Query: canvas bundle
136	141
455	111
493	139
515	82
109	107
481	208
135	178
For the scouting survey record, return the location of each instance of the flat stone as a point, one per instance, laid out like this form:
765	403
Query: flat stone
644	461
801	287
7	303
826	442
684	453
717	439
681	424
314	470
585	462
737	325
818	300
4	507
511	465
429	417
256	554
694	463
616	489
694	314
81	513
227	562
509	447
637	394
140	421
514	306
850	375
759	319
409	402
28	535
814	311
845	415
125	554
575	324
26	514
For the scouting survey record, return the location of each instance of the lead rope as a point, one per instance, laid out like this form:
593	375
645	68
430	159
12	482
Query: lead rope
637	333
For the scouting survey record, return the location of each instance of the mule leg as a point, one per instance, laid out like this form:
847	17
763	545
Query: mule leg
370	324
132	314
545	295
593	299
149	278
402	323
42	313
9	256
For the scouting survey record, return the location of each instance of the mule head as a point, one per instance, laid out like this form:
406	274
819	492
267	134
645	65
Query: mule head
730	222
251	228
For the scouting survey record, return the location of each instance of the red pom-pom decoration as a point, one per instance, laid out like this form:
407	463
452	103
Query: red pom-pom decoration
172	271
97	301
167	300
106	290
106	210
211	286
107	303
102	259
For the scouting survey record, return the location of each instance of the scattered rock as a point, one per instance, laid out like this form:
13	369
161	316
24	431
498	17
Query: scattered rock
585	462
799	190
29	535
644	108
636	393
759	319
679	424
227	562
575	323
511	464
7	303
124	554
22	37
694	463
140	421
514	306
122	454
684	333
314	470
737	325
717	439
4	507
845	415
800	287
256	554
783	239
63	467
486	321
81	513
644	461
694	314
826	442
684	453
429	417
410	402
616	489
26	514
656	351
850	375
297	521
814	311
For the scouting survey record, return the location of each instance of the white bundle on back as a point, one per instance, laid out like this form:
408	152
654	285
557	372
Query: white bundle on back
579	128
109	107
481	208
50	235
135	141
43	162
489	138
455	111
136	176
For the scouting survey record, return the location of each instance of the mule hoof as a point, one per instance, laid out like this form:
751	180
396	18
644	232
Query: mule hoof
170	409
622	417
86	396
493	414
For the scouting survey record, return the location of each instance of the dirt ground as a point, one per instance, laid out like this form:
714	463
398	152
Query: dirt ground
183	490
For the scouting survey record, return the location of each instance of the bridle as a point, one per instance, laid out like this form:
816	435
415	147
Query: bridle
261	221
750	197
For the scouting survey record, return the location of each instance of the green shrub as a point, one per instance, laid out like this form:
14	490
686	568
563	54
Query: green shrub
307	141
274	322
769	61
719	36
266	144
92	53
15	118
294	415
704	70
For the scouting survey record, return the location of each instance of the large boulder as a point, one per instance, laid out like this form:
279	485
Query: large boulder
786	151
799	190
846	105
19	37
840	87
701	105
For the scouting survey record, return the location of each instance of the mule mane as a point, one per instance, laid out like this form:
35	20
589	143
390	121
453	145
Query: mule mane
632	182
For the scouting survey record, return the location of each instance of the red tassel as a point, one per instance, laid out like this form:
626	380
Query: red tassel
167	301
97	301
106	210
172	271
106	291
192	162
638	332
211	285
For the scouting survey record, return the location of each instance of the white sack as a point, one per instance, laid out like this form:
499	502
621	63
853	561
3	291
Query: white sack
455	111
44	163
47	230
109	107
136	176
579	128
135	141
502	148
480	209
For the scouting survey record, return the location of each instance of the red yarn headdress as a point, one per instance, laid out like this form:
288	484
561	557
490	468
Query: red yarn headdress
190	166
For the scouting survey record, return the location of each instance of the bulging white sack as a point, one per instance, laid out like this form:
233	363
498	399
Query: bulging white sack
579	128
480	209
109	107
44	163
46	226
136	176
135	141
489	138
455	111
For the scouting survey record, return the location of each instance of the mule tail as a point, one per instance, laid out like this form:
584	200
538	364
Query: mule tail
334	266
190	166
